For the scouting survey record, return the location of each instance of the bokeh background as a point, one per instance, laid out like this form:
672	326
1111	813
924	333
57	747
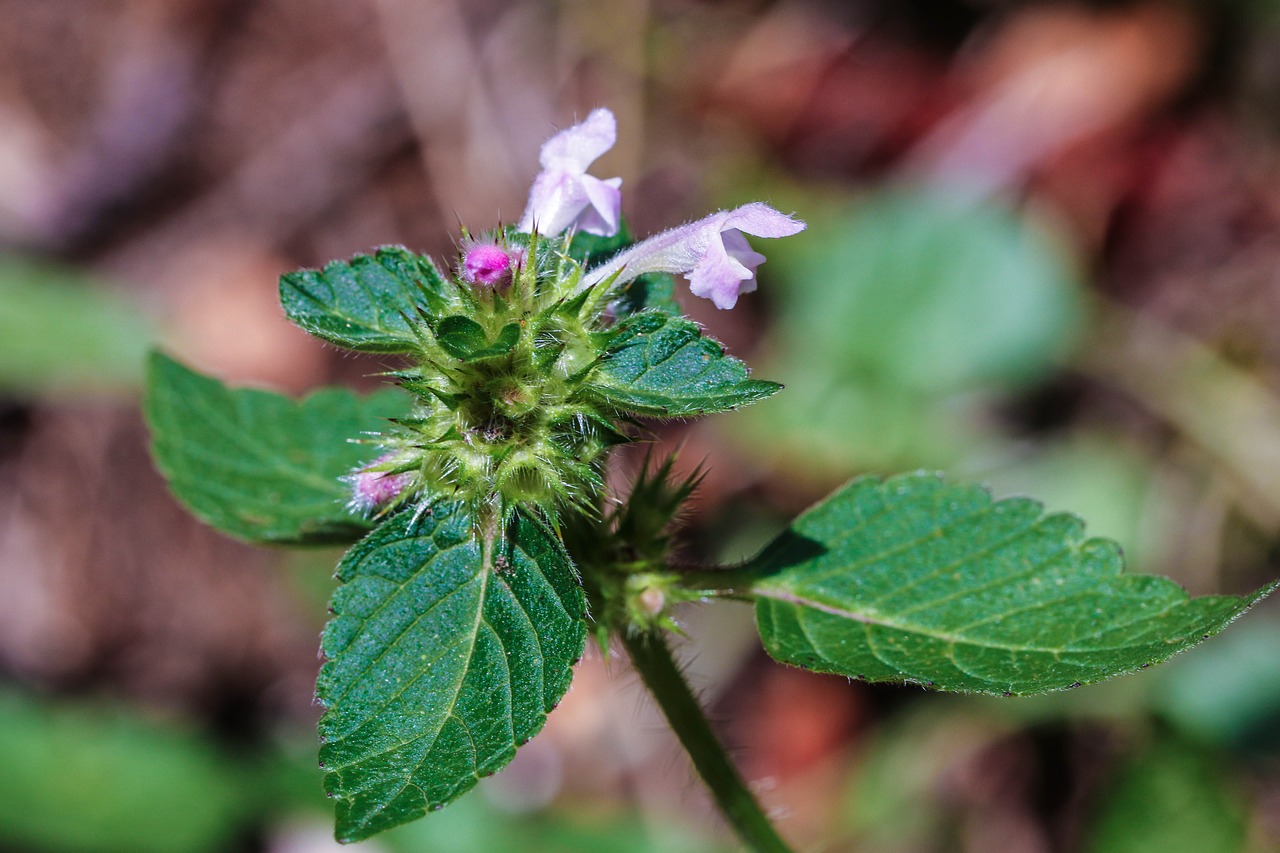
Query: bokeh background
1044	253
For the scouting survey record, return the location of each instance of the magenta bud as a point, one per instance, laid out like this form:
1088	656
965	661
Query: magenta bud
487	265
371	490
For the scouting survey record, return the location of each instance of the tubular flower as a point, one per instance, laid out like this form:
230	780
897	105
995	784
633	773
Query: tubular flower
712	252
563	194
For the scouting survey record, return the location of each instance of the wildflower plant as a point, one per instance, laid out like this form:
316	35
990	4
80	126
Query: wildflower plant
486	548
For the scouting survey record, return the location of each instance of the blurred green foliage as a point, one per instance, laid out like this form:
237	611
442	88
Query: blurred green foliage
924	289
1228	693
893	314
901	770
473	825
86	777
1171	798
62	333
89	779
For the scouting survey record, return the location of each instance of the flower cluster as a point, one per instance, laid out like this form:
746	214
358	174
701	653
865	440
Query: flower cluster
712	252
508	414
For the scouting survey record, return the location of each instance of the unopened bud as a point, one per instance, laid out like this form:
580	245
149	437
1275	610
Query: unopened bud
487	265
652	600
372	490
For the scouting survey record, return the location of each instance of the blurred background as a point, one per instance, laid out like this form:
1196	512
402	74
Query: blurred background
1044	253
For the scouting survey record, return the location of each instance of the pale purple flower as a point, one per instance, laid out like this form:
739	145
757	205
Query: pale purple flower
487	265
372	490
563	194
712	252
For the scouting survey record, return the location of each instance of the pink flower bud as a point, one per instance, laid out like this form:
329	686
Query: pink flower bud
372	490
487	265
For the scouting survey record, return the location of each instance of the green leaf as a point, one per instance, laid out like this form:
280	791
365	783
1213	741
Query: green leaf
438	665
65	335
658	365
365	303
914	579
465	339
591	250
1175	798
90	779
261	466
655	291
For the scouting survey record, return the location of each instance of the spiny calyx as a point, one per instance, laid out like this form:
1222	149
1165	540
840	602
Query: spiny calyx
503	418
626	555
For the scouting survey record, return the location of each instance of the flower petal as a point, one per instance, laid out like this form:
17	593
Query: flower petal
575	148
555	201
718	276
603	216
760	220
713	251
740	250
563	194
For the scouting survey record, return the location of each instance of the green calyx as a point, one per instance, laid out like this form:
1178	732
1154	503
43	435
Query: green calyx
625	555
522	378
502	420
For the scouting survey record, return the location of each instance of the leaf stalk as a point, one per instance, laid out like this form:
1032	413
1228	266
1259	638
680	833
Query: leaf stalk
651	657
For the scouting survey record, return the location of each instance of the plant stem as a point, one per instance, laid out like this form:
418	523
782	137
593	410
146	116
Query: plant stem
720	582
652	658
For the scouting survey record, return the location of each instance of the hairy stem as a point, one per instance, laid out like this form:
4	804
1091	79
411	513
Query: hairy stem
652	658
729	582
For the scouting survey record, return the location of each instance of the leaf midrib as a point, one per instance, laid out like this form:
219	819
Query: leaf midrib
470	638
954	639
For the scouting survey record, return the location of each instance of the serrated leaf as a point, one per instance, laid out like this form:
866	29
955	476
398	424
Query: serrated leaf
914	579
365	303
659	365
438	666
257	465
465	339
